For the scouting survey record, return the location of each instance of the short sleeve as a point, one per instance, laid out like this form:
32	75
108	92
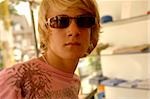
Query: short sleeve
8	90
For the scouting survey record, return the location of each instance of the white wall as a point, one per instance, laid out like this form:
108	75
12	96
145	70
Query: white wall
110	8
121	9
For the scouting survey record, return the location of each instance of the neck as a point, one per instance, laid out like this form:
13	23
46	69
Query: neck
65	65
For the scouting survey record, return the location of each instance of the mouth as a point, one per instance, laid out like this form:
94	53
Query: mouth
73	44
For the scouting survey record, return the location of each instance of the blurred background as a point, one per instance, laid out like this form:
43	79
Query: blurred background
18	39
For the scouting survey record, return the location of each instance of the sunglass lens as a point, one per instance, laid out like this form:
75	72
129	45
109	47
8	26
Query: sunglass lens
59	22
63	21
85	21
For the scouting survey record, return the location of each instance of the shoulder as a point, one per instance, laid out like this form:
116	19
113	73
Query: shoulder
22	70
18	70
21	77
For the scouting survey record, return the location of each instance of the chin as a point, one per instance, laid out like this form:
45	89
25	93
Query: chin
73	56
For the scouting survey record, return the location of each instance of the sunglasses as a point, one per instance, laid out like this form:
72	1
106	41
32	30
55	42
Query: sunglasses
63	21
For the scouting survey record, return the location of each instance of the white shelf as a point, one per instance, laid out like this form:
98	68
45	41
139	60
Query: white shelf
125	54
126	93
134	84
127	21
128	66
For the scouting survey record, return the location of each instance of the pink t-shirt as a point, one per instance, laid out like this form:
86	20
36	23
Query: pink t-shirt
35	79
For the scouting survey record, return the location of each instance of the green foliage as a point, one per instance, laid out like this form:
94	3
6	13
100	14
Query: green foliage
12	5
1	57
94	61
17	1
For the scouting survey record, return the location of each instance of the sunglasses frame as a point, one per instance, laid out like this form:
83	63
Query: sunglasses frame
69	20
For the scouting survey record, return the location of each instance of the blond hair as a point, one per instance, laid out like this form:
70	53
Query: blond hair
85	5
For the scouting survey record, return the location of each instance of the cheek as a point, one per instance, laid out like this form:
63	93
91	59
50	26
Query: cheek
56	38
87	35
86	38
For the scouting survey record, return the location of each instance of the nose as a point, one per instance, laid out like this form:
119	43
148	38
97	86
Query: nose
73	29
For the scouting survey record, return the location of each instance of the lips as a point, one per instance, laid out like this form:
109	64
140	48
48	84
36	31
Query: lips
73	44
